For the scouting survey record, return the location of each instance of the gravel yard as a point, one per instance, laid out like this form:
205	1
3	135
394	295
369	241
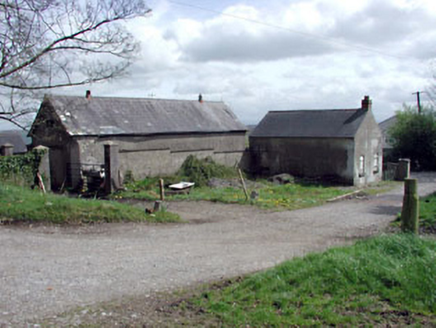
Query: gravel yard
45	270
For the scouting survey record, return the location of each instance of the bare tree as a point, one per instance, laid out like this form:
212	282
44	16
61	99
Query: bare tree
47	44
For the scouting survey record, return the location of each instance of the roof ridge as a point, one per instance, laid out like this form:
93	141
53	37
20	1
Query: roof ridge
313	110
136	98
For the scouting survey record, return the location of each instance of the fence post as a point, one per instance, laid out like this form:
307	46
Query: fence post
111	167
410	211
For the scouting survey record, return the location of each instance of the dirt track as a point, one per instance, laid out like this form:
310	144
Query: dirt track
46	270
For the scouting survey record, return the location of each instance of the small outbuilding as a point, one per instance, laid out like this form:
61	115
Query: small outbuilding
388	144
343	145
13	140
152	136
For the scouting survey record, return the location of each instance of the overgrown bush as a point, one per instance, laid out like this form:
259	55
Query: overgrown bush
201	171
20	168
414	137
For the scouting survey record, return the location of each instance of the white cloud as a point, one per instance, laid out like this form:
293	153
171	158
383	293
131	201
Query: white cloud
256	68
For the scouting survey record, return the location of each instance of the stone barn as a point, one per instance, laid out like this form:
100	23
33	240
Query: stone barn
342	145
152	136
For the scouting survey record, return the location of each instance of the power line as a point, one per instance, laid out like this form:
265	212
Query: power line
287	29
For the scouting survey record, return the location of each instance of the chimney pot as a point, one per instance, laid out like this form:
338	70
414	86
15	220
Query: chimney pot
200	98
88	94
366	103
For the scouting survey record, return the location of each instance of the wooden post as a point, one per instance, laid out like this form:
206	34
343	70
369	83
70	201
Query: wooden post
243	184
410	211
162	190
40	182
157	206
44	165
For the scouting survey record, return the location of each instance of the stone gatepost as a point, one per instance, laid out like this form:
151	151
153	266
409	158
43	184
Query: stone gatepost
44	166
410	210
7	149
403	169
111	168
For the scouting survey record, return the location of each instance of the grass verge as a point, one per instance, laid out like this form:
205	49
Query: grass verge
377	281
385	281
19	204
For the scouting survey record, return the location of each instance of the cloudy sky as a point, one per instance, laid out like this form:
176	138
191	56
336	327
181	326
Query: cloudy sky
283	54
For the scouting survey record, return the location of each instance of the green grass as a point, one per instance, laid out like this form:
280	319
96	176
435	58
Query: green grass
18	204
278	197
427	211
427	214
371	283
291	196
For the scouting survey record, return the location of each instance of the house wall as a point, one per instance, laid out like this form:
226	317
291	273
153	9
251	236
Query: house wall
162	155
308	157
369	144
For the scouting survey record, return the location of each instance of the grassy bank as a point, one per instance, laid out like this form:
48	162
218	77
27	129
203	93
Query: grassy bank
19	204
385	280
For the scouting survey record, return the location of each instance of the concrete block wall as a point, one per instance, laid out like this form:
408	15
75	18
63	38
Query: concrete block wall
162	155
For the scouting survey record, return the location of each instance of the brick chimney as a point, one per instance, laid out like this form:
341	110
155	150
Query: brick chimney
88	94
366	103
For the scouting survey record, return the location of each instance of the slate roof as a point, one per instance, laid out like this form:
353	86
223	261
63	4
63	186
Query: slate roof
386	124
141	116
384	127
342	123
16	138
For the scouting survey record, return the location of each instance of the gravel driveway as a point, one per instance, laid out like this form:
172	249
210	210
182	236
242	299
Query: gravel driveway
47	270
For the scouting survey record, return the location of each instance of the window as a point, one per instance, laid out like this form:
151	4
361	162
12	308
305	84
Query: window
49	123
376	163
361	166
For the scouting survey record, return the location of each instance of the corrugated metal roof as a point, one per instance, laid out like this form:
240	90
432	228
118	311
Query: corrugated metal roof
109	116
342	123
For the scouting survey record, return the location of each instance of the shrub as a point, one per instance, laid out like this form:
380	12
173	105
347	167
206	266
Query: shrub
414	137
20	168
201	171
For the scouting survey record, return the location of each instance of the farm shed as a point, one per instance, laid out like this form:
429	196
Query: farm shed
344	145
153	136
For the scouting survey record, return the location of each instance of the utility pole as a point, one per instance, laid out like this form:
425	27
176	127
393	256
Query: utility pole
418	100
